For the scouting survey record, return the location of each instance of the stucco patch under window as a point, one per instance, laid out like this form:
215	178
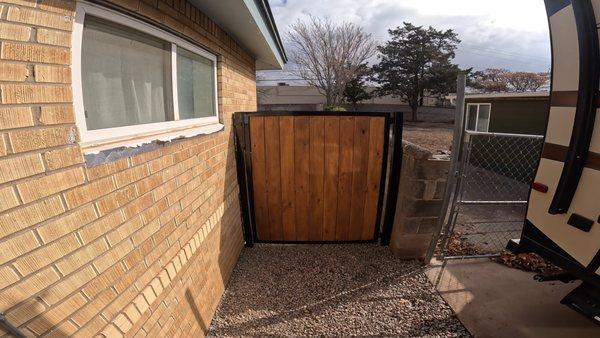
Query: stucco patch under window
133	81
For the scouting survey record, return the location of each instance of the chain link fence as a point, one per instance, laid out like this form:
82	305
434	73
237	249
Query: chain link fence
489	202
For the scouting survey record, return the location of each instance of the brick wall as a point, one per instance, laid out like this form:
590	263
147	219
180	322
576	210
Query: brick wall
422	185
140	246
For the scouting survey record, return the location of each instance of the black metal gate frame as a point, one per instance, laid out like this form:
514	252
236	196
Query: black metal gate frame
388	193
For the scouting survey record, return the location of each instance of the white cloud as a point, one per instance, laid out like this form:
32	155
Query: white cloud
495	33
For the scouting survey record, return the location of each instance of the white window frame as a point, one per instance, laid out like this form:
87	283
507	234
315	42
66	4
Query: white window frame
120	136
487	126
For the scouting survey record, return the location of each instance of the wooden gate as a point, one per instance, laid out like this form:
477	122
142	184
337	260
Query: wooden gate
314	177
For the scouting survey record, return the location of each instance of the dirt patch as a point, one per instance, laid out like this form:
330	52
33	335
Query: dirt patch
436	137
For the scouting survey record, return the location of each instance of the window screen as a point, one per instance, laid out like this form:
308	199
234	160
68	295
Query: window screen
195	85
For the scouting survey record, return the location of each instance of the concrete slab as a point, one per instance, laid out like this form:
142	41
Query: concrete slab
493	300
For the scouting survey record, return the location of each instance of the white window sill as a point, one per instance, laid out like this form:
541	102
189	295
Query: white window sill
138	139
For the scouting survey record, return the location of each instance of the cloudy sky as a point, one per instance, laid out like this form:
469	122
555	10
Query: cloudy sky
509	34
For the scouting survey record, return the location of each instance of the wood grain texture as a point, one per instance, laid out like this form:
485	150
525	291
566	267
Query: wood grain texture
316	178
359	176
374	171
345	178
259	174
273	165
286	139
332	159
302	170
317	175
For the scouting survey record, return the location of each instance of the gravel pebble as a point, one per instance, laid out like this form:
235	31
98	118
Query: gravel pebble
331	290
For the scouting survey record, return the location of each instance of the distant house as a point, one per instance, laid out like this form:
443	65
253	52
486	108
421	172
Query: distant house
518	113
288	97
284	97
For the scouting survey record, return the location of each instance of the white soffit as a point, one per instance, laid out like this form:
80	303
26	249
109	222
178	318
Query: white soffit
251	24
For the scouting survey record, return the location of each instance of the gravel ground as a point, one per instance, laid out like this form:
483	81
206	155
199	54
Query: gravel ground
331	290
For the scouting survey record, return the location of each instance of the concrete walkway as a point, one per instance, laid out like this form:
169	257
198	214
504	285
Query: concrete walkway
492	300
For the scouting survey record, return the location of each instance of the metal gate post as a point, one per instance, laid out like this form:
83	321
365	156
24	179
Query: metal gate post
459	127
394	181
240	123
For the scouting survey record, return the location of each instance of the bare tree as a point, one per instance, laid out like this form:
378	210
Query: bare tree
502	80
328	55
526	81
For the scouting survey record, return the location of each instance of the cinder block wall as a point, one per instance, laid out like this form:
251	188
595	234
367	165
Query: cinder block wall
140	246
422	185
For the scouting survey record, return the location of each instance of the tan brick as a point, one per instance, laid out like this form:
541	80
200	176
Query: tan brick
10	31
25	311
27	216
31	139
27	287
3	146
64	157
67	223
64	329
125	230
56	314
132	313
30	3
39	18
52	37
17	246
82	257
104	281
111	331
116	200
26	93
106	169
15	117
52	74
18	167
123	323
7	276
91	328
131	175
13	71
93	308
58	6
89	192
67	285
8	198
51	184
98	228
141	304
113	256
45	255
35	53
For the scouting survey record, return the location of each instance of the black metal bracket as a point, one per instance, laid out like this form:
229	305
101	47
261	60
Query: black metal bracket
585	114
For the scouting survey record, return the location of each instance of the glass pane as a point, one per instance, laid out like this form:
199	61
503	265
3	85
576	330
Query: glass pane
483	119
195	85
472	118
125	75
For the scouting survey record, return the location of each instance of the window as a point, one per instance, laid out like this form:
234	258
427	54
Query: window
478	117
132	80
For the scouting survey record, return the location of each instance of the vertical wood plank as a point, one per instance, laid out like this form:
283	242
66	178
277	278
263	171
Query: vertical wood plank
376	140
345	178
257	140
359	176
316	177
273	177
286	138
332	158
302	171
